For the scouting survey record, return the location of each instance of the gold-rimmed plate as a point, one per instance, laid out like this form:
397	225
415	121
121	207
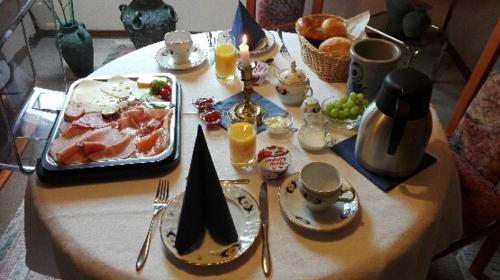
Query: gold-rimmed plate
292	205
246	217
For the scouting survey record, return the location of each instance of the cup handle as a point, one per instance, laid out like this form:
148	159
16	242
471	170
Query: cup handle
344	189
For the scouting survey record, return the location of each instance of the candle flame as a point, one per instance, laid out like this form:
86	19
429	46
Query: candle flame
244	39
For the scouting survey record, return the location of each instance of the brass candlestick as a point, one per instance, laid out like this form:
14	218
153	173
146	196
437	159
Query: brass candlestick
246	110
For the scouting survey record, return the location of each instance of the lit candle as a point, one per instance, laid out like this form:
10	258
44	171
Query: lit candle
244	52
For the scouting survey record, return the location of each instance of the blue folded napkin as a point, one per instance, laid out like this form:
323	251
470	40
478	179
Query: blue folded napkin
244	23
270	108
345	150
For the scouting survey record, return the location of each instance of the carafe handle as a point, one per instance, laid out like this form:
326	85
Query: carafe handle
398	127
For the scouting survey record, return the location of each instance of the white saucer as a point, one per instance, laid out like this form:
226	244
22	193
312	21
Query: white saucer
246	217
196	59
292	205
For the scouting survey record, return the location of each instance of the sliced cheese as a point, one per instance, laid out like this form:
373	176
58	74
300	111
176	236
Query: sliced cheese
91	98
119	86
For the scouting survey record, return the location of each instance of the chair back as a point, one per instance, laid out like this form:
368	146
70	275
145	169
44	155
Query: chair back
477	78
274	14
474	132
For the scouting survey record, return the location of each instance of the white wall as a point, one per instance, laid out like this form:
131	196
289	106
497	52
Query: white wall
195	15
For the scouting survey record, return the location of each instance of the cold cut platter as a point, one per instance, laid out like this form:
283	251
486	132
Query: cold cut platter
112	128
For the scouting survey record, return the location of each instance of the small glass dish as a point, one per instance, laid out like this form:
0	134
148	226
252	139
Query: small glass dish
339	122
279	125
203	103
211	117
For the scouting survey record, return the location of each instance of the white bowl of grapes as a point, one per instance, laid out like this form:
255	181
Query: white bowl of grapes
344	112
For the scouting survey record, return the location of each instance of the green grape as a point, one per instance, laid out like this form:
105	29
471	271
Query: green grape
355	111
360	96
330	106
344	114
349	104
342	100
365	102
352	95
334	113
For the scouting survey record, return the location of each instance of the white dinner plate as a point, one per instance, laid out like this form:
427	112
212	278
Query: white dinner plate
292	205
196	59
246	217
265	47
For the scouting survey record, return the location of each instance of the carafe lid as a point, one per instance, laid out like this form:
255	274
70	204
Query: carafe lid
405	87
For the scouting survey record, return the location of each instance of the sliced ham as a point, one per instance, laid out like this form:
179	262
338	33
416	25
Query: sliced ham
146	143
137	114
62	149
153	144
98	144
157	113
139	132
68	130
91	120
77	157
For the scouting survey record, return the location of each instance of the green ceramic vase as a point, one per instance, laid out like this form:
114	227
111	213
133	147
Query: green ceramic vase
77	48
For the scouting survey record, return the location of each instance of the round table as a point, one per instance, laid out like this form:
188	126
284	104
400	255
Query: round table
96	230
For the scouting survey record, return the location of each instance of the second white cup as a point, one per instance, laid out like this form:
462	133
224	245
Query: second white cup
178	44
321	185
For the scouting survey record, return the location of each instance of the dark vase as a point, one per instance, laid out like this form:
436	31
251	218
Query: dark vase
397	9
77	48
147	21
416	23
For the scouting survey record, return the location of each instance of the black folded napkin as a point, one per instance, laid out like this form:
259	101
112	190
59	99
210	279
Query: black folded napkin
345	150
244	23
204	204
270	108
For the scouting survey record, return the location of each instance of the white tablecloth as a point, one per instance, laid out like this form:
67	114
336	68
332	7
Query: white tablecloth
96	231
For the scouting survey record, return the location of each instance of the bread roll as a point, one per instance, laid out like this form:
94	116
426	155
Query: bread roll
319	28
333	27
336	46
309	28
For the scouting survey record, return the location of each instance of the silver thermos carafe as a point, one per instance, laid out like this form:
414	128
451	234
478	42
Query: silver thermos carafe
396	127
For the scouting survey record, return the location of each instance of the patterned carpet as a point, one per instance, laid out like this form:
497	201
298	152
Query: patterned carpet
13	251
120	50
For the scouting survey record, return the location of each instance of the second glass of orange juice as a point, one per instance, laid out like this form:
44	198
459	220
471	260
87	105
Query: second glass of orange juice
242	144
225	56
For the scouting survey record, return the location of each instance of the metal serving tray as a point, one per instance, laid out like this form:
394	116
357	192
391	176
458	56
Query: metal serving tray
111	170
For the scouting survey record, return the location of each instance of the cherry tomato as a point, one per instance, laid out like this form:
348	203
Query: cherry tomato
165	92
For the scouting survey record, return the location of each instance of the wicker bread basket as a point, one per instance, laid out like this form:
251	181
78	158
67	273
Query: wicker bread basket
328	68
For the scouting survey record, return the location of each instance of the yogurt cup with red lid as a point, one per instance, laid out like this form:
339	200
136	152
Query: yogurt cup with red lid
273	161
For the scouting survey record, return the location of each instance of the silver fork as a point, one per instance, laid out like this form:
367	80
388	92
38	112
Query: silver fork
159	203
283	50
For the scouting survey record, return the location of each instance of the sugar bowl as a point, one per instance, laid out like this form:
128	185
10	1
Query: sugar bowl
293	85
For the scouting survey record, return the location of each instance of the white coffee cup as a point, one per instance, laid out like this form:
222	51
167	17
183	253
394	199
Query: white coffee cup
321	185
178	44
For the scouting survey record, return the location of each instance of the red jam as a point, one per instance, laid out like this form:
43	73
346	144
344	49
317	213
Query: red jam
204	103
211	118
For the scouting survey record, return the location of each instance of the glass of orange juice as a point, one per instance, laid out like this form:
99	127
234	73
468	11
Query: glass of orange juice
242	143
225	56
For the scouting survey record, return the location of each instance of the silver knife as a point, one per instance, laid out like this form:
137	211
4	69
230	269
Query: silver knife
264	217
